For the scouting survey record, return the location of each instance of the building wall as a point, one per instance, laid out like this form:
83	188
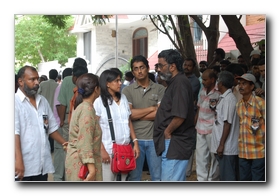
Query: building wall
104	57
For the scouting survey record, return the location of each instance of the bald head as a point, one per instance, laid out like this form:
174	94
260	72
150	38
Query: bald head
209	78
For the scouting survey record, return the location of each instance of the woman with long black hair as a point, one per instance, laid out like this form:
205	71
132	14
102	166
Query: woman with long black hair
110	86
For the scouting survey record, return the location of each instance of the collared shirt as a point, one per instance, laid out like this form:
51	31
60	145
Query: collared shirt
251	146
139	98
72	103
177	101
120	116
206	116
226	111
29	124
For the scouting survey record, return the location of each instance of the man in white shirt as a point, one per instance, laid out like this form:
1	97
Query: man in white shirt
224	143
34	122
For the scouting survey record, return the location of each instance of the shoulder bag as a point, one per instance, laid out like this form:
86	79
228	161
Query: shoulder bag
123	160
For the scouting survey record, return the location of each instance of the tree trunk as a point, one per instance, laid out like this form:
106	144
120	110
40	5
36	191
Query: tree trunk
212	34
187	40
239	35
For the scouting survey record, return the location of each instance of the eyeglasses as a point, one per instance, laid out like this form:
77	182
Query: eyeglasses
161	66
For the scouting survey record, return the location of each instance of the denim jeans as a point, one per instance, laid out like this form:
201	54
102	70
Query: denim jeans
172	169
252	169
147	149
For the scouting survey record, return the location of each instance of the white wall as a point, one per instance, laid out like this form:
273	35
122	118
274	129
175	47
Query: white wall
44	68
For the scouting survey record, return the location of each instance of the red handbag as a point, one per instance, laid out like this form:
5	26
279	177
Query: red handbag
83	172
123	159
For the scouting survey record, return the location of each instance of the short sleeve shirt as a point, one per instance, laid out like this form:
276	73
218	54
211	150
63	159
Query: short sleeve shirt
206	116
177	101
143	98
29	124
250	145
226	111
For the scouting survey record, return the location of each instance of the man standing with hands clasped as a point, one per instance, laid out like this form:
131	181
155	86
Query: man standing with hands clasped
174	129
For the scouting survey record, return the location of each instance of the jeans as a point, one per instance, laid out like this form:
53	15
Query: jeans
252	169
147	149
172	169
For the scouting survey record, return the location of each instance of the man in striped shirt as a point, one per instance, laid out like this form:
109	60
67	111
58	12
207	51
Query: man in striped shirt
251	143
204	119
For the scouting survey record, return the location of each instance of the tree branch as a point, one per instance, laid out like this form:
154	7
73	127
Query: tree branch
167	33
176	33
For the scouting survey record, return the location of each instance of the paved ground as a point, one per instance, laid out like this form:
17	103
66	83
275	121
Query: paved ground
146	176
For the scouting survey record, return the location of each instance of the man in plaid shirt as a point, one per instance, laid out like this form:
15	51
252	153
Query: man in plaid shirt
251	143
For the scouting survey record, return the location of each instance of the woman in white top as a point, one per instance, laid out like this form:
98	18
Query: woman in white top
110	85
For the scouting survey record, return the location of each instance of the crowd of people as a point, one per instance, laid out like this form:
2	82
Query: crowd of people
168	117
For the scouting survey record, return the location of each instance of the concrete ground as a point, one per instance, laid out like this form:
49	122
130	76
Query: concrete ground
146	176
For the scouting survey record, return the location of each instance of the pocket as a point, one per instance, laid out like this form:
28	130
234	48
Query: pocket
153	99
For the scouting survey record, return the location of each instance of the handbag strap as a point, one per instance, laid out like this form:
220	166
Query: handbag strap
110	120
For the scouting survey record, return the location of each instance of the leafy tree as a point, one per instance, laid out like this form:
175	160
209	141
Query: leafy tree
37	41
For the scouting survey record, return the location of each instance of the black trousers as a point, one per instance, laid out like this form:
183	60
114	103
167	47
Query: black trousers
35	178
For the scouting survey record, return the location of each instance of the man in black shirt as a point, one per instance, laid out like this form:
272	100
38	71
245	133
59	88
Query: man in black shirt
174	128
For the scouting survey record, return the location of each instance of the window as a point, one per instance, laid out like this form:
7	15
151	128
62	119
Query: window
140	42
87	46
197	30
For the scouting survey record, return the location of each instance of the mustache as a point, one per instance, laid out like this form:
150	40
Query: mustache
36	87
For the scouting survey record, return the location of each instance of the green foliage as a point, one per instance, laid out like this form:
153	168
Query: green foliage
59	21
36	40
125	67
100	19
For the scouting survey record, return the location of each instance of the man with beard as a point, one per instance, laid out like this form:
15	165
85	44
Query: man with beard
202	66
34	122
174	130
